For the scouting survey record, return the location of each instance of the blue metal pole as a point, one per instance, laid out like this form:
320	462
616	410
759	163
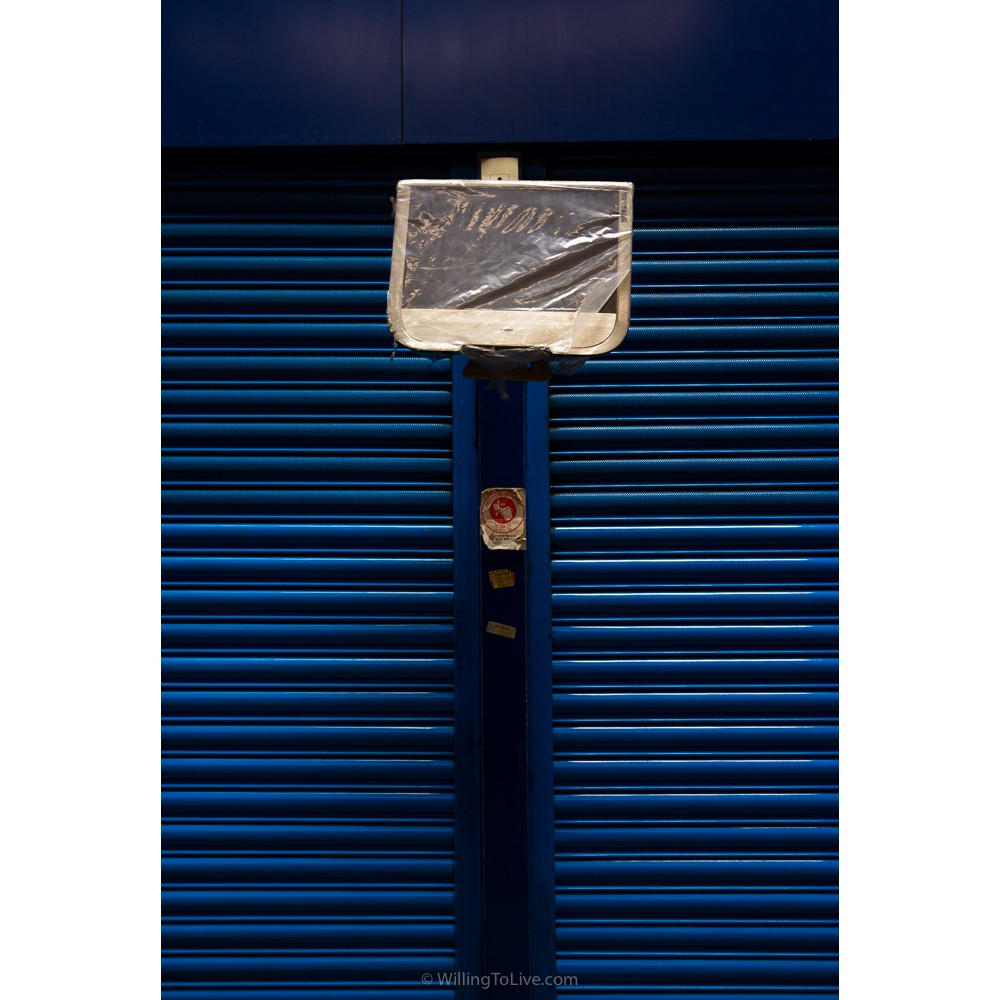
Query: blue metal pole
504	704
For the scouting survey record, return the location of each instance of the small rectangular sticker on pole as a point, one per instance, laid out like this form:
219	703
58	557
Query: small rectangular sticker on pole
500	578
496	628
502	518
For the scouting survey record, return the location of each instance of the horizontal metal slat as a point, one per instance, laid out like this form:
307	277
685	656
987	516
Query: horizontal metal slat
234	804
639	433
306	735
326	991
715	333
367	604
277	704
395	472
686	905
316	538
724	872
666	371
627	773
333	265
307	870
648	705
596	667
271	568
786	737
770	570
312	367
662	606
655	638
366	401
308	835
275	333
258	637
287	771
280	301
681	939
809	236
300	903
780	806
601	838
743	301
365	670
721	402
366	435
375	970
651	471
262	232
713	972
272	501
610	536
326	935
662	265
752	501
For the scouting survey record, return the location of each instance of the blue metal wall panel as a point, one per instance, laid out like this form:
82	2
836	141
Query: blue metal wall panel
281	72
352	72
309	785
694	593
589	70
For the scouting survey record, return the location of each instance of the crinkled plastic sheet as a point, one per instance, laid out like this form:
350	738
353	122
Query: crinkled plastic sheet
505	268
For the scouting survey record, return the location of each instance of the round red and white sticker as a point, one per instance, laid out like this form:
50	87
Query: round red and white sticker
502	511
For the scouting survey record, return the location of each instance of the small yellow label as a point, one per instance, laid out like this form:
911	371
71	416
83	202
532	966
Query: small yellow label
507	631
501	578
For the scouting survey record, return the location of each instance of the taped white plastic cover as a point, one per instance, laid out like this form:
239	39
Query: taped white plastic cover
511	266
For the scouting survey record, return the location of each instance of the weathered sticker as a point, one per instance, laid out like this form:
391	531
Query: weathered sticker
500	578
501	518
507	631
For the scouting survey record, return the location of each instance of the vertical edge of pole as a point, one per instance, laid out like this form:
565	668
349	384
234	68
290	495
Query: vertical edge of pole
468	811
541	799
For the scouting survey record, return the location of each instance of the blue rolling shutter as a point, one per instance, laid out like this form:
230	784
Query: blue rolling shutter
309	628
694	576
308	705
